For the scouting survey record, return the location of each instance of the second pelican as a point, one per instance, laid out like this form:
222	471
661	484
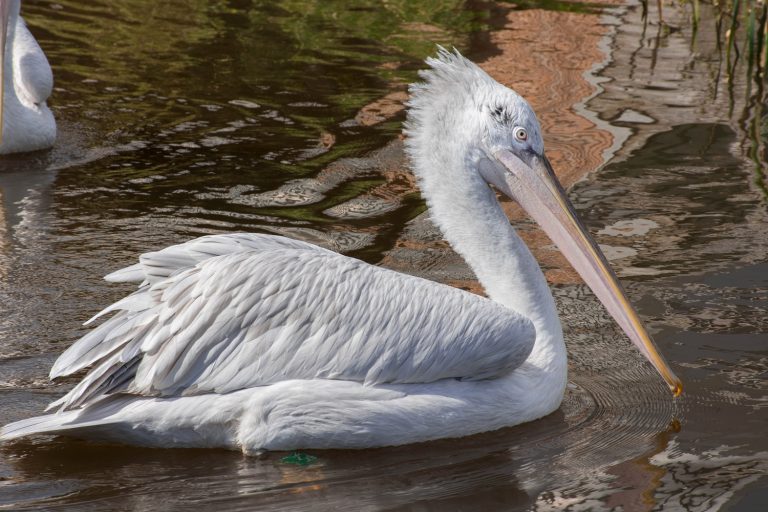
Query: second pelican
26	81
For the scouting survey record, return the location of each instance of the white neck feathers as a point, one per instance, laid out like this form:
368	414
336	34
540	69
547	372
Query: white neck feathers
444	131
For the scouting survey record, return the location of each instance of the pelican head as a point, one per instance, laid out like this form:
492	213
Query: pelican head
460	116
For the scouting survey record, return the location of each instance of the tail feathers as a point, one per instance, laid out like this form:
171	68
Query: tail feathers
112	375
107	413
195	421
47	424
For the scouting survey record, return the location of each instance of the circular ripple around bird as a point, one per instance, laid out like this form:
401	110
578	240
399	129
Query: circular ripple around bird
601	420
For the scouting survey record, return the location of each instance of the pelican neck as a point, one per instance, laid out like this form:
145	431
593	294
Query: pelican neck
470	217
10	35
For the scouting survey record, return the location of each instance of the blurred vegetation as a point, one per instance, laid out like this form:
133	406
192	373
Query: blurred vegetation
579	6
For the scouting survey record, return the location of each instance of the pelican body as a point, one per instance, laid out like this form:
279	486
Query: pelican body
26	81
254	342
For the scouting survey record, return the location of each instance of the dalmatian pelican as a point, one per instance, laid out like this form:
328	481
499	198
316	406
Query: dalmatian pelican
26	81
257	342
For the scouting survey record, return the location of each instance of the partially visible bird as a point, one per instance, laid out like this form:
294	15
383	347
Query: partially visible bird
254	342
26	81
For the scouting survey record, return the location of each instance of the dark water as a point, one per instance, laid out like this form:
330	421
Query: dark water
184	118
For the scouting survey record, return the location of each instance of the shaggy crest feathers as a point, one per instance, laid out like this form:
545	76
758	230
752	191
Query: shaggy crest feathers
457	92
450	70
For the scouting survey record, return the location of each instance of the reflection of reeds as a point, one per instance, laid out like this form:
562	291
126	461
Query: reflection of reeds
745	39
754	118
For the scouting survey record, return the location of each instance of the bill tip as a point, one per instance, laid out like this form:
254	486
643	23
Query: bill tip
677	389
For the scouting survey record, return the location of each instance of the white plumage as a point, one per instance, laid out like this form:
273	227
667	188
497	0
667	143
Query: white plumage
27	123
258	342
265	309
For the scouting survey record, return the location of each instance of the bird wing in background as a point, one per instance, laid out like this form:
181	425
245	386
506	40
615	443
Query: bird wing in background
229	312
32	73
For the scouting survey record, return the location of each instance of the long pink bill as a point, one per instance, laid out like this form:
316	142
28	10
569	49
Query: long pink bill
536	188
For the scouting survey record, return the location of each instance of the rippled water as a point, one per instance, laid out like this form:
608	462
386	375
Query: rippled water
184	118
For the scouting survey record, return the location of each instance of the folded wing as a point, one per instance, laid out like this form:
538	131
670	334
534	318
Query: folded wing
31	68
229	312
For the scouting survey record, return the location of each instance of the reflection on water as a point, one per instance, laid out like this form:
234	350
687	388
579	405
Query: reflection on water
205	108
682	203
184	118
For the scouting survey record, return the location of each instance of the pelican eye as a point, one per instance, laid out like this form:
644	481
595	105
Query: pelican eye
521	134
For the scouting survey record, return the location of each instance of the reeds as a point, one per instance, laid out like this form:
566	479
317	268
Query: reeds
754	114
743	48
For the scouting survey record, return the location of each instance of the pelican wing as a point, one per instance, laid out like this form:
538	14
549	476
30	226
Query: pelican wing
273	309
31	68
156	266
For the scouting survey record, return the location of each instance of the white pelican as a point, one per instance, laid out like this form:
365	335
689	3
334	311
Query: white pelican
256	342
26	81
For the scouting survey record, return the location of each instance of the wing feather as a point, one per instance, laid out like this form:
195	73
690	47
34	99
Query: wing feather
156	266
286	310
31	68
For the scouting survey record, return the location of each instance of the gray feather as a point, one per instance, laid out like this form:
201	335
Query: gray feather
287	311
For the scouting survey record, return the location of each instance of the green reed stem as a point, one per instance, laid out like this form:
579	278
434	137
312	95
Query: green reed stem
759	40
730	45
696	16
765	38
749	43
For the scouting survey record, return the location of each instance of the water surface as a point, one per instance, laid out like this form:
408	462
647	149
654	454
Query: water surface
179	119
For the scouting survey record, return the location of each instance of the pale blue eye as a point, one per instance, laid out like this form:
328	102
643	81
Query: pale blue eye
521	134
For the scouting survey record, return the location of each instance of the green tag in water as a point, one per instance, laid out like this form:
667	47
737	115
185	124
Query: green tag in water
299	459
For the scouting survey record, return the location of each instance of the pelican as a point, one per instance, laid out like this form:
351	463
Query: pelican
256	342
26	81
